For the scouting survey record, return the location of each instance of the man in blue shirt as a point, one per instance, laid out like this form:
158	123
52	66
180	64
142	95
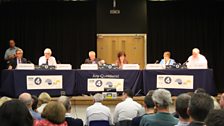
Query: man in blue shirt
11	51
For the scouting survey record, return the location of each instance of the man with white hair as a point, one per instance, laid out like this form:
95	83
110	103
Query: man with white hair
162	100
17	60
47	59
197	60
26	98
98	111
93	60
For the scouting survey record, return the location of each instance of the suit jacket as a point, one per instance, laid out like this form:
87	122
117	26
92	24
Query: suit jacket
172	61
13	62
73	122
95	61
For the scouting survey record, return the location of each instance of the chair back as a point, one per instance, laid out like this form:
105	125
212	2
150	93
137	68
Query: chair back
124	123
99	123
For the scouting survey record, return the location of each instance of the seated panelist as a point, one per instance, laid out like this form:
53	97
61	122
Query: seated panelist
166	59
17	60
197	59
93	60
121	59
47	59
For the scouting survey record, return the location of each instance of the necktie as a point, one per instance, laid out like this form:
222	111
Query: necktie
46	61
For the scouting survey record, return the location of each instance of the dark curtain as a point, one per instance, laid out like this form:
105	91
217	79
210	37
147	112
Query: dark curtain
68	28
181	26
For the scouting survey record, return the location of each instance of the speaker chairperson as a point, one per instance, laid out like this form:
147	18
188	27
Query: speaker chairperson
47	59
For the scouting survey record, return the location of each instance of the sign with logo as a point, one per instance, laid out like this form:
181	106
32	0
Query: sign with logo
98	84
175	81
44	82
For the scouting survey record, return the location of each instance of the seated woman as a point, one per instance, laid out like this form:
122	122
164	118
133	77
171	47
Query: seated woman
121	59
166	59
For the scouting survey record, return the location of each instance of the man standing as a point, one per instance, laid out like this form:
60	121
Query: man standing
11	51
17	60
47	59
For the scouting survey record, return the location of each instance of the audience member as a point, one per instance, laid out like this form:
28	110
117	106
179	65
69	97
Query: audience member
182	103
215	118
11	51
47	59
98	111
162	99
221	101
199	107
43	99
15	113
53	114
121	59
35	103
26	98
17	60
200	90
4	99
127	109
149	109
68	116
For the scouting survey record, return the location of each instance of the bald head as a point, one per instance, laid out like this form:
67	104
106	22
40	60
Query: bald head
195	52
26	98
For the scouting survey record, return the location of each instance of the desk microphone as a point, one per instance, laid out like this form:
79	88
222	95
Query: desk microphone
185	63
157	61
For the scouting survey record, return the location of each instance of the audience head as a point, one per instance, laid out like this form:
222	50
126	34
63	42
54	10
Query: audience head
54	112
98	97
26	98
199	106
127	94
162	98
15	113
4	99
44	97
148	102
215	118
200	90
12	43
19	53
182	103
221	101
35	102
47	53
66	102
92	55
150	92
166	55
195	52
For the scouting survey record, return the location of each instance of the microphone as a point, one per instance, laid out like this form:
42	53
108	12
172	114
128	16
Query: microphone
157	61
185	63
138	92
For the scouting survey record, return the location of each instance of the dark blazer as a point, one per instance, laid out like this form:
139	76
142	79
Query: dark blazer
88	61
13	62
74	122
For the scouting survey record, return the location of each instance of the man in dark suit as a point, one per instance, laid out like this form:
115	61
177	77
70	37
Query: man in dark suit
92	59
17	60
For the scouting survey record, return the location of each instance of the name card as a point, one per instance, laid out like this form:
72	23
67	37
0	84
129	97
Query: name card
131	67
109	95
25	66
89	67
63	67
154	66
197	66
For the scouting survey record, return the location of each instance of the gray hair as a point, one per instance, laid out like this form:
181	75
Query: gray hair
26	98
162	97
48	50
65	101
98	97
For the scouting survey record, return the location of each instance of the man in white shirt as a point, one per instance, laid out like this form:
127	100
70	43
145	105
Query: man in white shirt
47	59
197	60
127	109
98	111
